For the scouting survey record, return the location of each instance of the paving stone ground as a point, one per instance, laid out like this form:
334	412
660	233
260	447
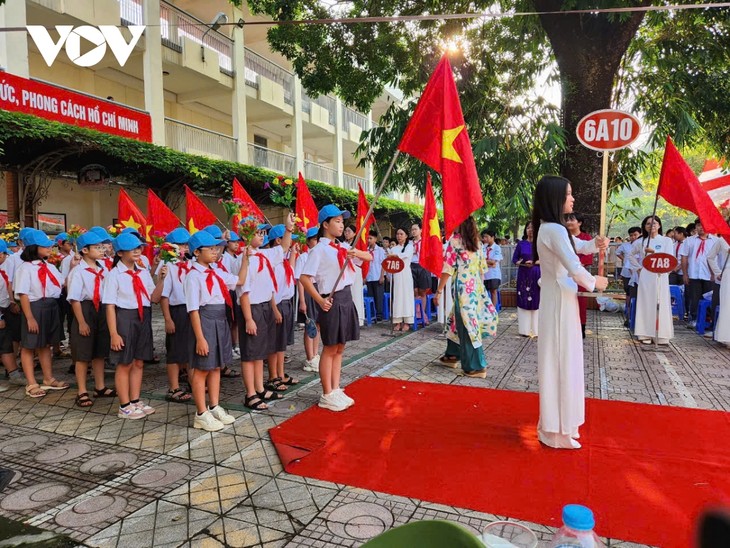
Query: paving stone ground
159	482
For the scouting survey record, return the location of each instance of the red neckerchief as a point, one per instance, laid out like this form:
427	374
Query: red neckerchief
139	290
289	271
182	266
219	262
44	274
98	277
211	275
676	251
264	260
489	251
700	248
5	277
108	263
342	255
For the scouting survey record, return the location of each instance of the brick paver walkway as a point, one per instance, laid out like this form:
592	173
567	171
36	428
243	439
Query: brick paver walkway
159	482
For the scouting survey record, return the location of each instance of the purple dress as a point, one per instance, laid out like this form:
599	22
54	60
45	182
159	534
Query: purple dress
528	292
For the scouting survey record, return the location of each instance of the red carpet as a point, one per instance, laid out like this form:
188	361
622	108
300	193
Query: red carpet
645	470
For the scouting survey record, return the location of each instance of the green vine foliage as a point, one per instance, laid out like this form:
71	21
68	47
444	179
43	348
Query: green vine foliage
24	138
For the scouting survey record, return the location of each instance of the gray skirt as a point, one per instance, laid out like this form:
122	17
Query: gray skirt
340	324
286	325
177	344
96	345
136	334
217	333
45	312
262	345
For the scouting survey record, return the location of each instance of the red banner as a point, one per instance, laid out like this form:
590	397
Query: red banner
68	107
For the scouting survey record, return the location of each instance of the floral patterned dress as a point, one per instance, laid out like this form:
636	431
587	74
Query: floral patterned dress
473	315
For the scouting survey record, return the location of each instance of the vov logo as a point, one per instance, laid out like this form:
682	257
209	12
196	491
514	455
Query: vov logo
101	37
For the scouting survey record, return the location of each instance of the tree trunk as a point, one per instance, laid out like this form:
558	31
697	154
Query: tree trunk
588	49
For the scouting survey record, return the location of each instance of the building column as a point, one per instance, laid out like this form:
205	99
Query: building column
297	128
12	192
240	119
338	147
14	45
154	88
369	183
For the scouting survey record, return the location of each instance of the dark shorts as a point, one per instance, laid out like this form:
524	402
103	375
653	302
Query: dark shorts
12	324
340	324
262	345
217	333
421	277
136	334
97	344
176	344
286	326
492	284
6	341
46	314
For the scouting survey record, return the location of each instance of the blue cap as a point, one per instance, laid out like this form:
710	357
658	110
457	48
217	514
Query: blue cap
134	232
277	231
331	210
39	238
178	236
214	230
233	237
25	231
312	232
12	243
203	238
126	241
578	517
62	237
102	233
88	238
3	246
263	226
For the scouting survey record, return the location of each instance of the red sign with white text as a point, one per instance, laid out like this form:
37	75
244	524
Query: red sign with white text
608	130
19	94
660	263
393	265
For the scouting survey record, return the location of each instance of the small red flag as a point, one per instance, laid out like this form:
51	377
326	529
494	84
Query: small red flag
305	207
249	207
160	218
197	214
679	186
130	215
362	210
437	136
432	250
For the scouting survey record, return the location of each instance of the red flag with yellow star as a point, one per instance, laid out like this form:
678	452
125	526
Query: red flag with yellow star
130	215
437	136
250	207
362	210
305	207
432	249
197	214
160	218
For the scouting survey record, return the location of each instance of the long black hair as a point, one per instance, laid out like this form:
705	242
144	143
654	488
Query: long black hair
645	232
30	253
547	206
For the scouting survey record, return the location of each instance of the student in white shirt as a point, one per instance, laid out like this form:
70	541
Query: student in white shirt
7	353
337	314
11	313
421	276
107	259
493	276
698	274
207	292
89	334
37	285
128	294
375	278
142	261
307	305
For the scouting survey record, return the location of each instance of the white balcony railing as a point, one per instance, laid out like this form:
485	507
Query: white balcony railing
270	159
258	66
131	12
324	101
350	182
319	172
349	115
196	140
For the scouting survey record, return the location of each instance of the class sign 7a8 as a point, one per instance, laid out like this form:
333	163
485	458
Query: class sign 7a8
608	130
660	263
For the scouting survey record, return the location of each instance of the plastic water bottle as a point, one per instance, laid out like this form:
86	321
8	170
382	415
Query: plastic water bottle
577	529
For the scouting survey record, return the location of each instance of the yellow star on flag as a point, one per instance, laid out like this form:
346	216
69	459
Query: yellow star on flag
191	227
131	223
448	136
363	236
433	227
147	236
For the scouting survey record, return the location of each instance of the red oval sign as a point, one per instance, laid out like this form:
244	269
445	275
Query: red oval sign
608	130
660	263
393	265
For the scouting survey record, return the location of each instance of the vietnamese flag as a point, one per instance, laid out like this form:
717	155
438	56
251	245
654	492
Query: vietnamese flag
197	214
305	207
362	211
679	186
432	249
160	218
130	215
249	207
437	136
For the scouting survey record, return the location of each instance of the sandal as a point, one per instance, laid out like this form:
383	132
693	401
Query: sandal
276	385
255	403
178	395
53	384
449	361
105	392
34	391
182	376
273	397
478	374
288	380
83	400
229	373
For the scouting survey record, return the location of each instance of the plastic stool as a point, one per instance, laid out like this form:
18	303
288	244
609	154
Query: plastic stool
702	309
498	305
677	295
419	315
432	311
386	306
370	312
632	314
364	291
714	325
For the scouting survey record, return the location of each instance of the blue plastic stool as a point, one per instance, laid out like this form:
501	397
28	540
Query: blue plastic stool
364	291
677	295
419	315
430	307
498	305
370	311
702	309
632	314
386	306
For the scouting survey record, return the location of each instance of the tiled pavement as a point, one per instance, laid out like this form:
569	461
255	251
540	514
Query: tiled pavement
159	482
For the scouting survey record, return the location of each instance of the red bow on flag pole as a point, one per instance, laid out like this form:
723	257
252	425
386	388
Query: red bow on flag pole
363	227
305	207
197	214
437	136
432	250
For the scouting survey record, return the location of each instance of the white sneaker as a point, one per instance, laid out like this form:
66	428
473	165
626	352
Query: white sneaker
309	366
146	409
347	400
207	422
236	353
219	413
4	387
332	402
315	362
709	334
287	358
130	412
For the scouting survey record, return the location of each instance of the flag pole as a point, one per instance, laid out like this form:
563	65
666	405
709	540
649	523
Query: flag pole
604	200
369	214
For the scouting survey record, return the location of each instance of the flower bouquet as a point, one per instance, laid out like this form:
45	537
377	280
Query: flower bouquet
114	230
299	230
9	232
232	207
55	258
282	191
247	228
169	253
74	232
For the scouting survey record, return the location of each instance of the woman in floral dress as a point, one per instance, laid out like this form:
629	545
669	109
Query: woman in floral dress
473	315
528	290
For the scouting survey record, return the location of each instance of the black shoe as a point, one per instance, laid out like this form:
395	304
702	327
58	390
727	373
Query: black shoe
583	329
